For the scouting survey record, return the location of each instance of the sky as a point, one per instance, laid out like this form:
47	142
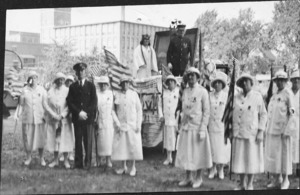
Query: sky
28	20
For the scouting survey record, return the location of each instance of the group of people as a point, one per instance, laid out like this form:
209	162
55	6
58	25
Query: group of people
85	113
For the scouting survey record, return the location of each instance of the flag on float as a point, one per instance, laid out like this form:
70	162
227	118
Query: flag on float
228	113
270	90
116	70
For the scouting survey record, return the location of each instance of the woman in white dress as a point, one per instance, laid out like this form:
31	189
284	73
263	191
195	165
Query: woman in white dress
127	144
170	101
144	59
59	130
220	150
194	153
105	119
279	133
249	122
33	100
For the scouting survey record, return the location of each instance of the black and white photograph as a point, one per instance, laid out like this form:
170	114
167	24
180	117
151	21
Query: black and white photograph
150	96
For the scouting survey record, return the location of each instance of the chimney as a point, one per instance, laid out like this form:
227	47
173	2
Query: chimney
122	13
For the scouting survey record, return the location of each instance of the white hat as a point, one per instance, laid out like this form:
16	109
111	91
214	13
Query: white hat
124	78
59	75
102	79
220	76
280	74
193	70
243	76
70	77
295	74
32	73
170	77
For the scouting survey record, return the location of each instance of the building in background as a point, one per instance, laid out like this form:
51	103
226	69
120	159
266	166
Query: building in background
119	37
51	18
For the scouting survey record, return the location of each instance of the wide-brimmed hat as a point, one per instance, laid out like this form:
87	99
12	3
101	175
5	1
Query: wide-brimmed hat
70	77
220	76
59	75
280	74
193	70
170	77
295	74
32	73
124	78
79	66
102	79
243	76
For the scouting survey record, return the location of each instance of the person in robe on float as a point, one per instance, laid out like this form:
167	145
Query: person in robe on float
127	144
144	59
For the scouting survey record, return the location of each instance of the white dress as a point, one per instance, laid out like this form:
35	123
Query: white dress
144	56
194	153
33	102
296	139
220	150
278	149
64	141
249	115
105	121
127	144
170	101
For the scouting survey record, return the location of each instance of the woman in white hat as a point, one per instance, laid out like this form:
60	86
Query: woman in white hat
194	152
59	131
278	154
220	150
295	79
170	101
33	100
249	121
127	143
105	119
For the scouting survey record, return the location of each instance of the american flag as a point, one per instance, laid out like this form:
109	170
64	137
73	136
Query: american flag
116	70
227	117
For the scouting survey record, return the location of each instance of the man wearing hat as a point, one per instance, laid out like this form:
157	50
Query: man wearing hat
295	79
144	59
180	52
279	132
170	101
194	153
82	102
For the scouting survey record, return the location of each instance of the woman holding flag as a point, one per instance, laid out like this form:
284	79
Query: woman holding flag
249	120
281	127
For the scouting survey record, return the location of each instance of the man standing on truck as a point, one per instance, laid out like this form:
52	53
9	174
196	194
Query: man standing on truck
179	53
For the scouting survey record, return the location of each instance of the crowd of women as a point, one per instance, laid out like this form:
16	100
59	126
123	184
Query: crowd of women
264	139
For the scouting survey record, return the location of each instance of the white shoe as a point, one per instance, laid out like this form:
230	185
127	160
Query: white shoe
133	172
274	184
71	157
28	161
43	163
285	185
250	187
166	162
53	164
121	171
239	187
61	158
184	183
197	183
221	174
109	164
67	165
212	173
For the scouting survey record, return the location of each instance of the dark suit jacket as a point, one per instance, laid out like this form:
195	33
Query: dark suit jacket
82	98
179	53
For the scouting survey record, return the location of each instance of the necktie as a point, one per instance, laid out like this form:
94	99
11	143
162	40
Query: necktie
80	83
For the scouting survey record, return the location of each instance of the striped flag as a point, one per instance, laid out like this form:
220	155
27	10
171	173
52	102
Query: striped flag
116	70
228	113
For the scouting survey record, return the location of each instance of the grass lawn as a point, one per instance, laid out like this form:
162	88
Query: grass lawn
152	175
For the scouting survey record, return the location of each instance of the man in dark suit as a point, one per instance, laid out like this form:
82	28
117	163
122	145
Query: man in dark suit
179	52
82	102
